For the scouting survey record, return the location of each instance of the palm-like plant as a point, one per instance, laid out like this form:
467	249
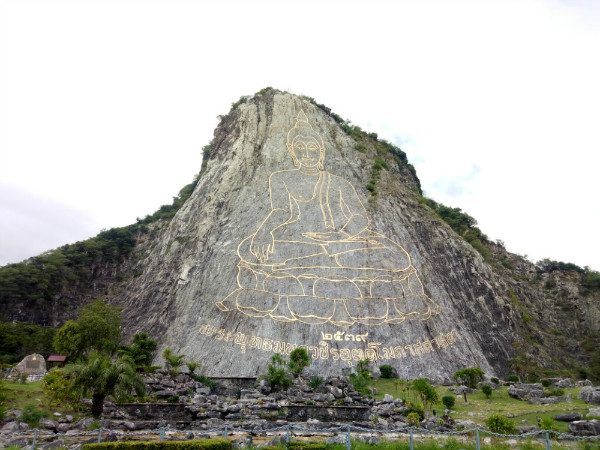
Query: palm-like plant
101	377
172	362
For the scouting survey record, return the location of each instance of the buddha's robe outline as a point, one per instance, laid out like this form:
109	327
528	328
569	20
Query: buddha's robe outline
325	264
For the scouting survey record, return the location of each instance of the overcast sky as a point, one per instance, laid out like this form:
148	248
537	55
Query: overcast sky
106	105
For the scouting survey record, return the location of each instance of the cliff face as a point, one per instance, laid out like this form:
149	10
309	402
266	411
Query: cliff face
385	279
283	244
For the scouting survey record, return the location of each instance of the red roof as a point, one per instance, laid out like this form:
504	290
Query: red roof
56	358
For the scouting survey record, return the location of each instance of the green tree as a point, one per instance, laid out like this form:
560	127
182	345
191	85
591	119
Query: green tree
299	360
428	394
469	376
172	362
100	377
97	328
141	351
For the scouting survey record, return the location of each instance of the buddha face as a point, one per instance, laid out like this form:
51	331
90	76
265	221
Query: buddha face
307	151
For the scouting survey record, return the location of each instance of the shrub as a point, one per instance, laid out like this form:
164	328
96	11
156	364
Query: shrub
315	382
299	360
95	425
545	382
554	392
193	366
547	424
206	381
413	419
414	408
31	415
276	374
58	387
513	378
495	380
487	390
449	401
500	424
386	371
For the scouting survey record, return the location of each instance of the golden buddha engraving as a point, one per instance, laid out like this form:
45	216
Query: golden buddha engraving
314	259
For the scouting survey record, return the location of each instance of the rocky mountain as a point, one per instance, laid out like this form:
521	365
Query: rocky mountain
303	230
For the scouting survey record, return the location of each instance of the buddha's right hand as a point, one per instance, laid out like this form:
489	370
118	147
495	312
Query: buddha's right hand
262	246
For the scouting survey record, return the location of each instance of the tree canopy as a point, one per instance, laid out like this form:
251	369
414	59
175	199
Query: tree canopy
97	328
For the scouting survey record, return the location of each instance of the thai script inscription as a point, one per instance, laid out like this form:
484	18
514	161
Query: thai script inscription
374	351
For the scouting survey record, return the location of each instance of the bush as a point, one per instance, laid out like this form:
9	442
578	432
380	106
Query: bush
386	371
546	382
500	424
203	444
32	415
315	382
276	373
487	390
206	381
413	419
495	380
449	401
414	408
299	360
58	387
513	378
547	424
555	392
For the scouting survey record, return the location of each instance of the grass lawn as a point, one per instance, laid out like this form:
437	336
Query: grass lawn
478	408
18	396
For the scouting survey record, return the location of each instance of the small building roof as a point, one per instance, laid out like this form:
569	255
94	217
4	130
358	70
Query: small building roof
56	358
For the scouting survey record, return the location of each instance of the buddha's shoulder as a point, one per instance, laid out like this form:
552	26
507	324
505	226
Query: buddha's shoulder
282	175
338	181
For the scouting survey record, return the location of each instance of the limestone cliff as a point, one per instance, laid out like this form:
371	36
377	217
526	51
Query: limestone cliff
196	292
303	232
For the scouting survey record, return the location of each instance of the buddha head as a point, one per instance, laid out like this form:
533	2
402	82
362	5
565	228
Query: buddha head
305	144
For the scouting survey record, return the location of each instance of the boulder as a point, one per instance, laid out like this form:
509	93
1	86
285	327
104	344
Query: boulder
336	392
526	391
59	443
387	398
17	442
585	427
461	390
48	424
339	439
10	427
33	367
568	417
565	383
590	395
594	412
